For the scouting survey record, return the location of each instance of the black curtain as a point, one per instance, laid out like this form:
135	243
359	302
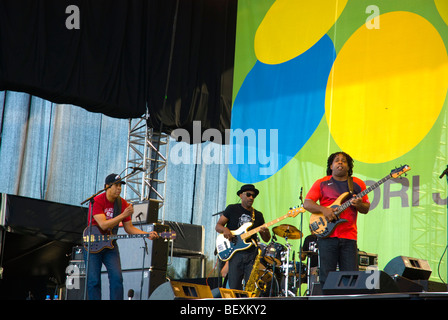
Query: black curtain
173	58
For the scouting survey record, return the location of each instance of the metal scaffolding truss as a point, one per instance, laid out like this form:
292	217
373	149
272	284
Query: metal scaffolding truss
146	162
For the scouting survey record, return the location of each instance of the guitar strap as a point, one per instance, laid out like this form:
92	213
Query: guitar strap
254	241
350	184
117	211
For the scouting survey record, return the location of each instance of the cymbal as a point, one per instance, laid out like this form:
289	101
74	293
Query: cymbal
287	231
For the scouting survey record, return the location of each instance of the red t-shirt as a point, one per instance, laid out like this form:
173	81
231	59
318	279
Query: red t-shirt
103	206
326	190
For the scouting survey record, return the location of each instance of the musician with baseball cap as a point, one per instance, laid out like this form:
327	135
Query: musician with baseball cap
108	211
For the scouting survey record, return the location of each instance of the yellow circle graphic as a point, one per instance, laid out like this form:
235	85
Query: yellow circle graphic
291	27
442	8
387	87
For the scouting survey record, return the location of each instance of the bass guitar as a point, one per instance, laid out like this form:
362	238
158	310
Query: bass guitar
226	248
323	228
100	240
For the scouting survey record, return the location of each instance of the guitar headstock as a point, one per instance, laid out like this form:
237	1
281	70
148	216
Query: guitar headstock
399	171
168	235
293	212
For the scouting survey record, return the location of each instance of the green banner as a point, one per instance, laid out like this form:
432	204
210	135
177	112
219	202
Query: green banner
315	77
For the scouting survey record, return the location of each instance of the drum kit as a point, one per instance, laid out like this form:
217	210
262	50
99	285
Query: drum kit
282	274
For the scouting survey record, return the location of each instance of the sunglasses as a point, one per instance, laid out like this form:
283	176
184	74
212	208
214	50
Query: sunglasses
253	195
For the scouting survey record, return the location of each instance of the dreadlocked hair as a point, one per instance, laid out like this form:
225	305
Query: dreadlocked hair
349	162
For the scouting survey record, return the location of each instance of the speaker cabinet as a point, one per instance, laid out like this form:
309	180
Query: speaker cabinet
175	290
136	253
410	268
146	211
75	286
358	282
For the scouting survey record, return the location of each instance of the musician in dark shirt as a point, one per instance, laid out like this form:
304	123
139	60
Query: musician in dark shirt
234	216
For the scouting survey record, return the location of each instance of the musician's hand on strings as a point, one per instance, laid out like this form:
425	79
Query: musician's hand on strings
329	213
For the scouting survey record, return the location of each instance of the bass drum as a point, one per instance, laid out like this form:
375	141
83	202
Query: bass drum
273	253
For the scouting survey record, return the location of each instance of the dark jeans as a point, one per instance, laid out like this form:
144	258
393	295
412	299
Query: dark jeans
240	267
334	252
111	259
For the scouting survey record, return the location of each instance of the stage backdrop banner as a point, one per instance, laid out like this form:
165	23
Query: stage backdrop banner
315	77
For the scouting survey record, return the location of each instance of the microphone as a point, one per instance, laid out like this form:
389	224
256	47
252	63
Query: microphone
444	173
136	168
220	212
130	294
301	193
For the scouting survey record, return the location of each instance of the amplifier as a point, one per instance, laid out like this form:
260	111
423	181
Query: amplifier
190	240
366	260
76	268
146	211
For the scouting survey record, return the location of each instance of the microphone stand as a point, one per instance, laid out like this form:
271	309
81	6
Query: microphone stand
145	251
91	199
300	244
444	173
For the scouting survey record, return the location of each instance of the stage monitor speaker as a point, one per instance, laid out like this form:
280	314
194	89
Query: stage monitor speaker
146	211
410	268
358	282
406	285
226	293
174	290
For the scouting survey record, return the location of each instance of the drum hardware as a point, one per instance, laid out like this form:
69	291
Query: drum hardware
288	232
309	254
278	263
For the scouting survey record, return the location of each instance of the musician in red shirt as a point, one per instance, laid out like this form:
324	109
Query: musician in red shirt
340	247
108	211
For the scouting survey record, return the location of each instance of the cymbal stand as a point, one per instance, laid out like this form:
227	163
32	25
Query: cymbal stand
313	249
308	275
288	248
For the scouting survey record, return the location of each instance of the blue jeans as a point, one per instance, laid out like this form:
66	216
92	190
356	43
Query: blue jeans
334	252
111	260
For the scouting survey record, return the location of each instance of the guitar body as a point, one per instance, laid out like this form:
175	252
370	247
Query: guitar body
99	239
319	224
226	248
